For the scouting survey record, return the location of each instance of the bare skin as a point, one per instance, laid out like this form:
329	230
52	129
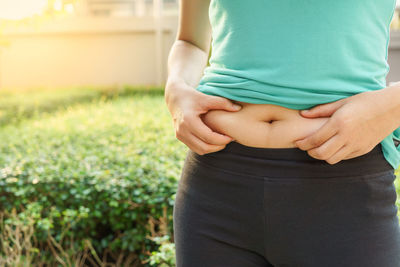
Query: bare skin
186	62
263	125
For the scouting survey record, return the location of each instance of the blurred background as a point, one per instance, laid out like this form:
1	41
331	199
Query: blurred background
86	42
100	42
89	162
394	47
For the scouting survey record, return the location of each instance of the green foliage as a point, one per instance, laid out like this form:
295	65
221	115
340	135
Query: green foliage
103	170
16	106
397	185
165	255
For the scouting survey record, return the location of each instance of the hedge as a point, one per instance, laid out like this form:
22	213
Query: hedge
17	105
98	177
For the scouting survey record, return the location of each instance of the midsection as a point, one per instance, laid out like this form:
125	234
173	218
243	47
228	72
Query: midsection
262	125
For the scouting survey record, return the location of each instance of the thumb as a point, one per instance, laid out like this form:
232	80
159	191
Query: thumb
216	102
323	110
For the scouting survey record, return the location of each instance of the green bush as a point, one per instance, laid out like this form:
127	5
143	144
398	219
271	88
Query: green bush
19	105
101	174
165	255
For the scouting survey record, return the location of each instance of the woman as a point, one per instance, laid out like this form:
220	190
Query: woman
264	182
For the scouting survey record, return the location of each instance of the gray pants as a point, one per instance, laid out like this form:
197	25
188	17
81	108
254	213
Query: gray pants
245	206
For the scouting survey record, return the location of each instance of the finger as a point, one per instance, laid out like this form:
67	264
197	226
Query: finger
317	138
354	154
201	147
203	132
216	102
196	144
339	155
322	110
327	149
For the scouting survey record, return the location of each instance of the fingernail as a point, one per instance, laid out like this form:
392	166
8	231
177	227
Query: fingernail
237	106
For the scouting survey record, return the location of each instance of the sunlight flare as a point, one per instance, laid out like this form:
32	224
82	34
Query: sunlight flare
19	9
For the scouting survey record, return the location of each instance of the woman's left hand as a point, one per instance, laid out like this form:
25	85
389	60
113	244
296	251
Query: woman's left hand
356	125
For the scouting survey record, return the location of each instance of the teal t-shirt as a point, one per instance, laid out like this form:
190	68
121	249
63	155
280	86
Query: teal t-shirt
299	54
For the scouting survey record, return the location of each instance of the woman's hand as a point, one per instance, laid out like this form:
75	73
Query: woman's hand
186	105
356	125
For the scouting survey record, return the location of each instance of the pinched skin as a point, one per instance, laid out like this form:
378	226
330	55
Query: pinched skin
263	125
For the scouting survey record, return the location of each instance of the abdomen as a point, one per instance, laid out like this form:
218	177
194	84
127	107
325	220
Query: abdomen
262	125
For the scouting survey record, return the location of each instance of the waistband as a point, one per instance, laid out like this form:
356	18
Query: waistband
290	162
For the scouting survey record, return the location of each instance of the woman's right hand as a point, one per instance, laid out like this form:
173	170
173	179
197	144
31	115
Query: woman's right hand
186	105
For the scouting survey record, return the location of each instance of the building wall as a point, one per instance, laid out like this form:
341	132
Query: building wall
102	51
87	51
394	58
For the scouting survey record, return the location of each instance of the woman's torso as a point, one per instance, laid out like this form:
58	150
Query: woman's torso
278	57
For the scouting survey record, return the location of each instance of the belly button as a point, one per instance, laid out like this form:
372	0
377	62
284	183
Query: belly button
270	121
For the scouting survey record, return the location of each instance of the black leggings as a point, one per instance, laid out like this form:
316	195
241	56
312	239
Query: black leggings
246	206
